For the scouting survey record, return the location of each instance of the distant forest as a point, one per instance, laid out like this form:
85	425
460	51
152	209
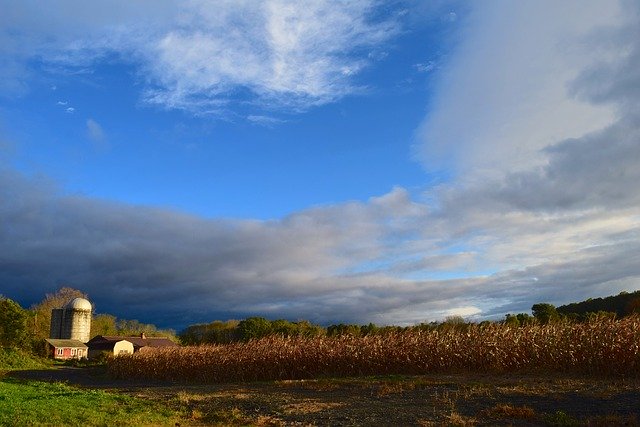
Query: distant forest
218	332
622	305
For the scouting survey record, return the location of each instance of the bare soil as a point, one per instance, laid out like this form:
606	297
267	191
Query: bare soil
461	399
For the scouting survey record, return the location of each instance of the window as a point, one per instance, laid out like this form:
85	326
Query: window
73	351
80	352
59	352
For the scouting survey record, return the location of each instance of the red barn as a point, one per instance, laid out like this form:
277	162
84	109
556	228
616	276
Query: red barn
67	349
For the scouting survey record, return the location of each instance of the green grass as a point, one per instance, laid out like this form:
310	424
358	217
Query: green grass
12	359
25	403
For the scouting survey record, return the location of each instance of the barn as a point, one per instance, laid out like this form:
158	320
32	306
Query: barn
115	345
66	349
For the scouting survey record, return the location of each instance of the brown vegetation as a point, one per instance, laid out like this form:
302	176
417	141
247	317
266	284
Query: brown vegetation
600	346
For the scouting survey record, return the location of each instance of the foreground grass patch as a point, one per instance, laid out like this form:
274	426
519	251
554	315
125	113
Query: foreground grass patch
40	403
12	359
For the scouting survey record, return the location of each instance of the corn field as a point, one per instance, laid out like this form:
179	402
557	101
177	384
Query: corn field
602	346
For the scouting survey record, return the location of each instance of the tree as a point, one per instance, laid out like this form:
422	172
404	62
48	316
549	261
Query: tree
42	311
103	324
369	329
524	319
633	306
544	312
308	329
254	327
13	324
511	320
342	329
284	328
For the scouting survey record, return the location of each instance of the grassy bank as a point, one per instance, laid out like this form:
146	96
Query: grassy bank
12	359
38	403
24	403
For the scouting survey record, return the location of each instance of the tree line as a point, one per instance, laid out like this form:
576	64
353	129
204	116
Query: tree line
615	306
219	332
27	329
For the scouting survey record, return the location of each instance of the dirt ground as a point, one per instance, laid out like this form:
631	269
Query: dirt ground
462	400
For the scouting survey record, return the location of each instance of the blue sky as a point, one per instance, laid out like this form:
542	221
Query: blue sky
360	161
251	158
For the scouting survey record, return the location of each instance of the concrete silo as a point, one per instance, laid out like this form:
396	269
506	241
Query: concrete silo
73	321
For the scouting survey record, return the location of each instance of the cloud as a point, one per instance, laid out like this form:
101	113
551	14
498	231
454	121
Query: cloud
265	120
147	261
70	110
200	55
544	205
556	224
425	67
96	133
502	97
450	17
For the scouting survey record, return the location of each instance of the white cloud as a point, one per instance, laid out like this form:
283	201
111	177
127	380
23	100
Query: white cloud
465	311
425	67
70	110
450	17
265	120
199	55
503	96
96	133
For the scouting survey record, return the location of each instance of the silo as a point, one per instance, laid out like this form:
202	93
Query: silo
73	321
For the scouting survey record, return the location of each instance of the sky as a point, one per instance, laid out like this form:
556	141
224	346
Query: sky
358	161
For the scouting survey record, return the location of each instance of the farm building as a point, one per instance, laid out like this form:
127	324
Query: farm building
70	329
66	349
72	322
126	345
111	345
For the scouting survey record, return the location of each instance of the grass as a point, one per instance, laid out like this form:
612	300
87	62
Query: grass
12	359
29	403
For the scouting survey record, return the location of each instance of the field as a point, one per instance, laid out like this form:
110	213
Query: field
602	346
423	400
560	374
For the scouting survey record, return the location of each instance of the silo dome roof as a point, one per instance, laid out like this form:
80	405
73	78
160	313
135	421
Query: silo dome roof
79	304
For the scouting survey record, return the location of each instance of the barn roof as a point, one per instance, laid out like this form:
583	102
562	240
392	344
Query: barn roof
66	343
137	342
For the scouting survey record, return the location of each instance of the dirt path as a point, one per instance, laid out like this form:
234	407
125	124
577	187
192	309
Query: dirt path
424	400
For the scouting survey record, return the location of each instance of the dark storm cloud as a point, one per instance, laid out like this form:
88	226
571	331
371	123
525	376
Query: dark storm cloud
600	170
162	265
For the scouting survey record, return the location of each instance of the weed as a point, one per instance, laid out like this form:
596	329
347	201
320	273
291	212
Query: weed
504	411
561	419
